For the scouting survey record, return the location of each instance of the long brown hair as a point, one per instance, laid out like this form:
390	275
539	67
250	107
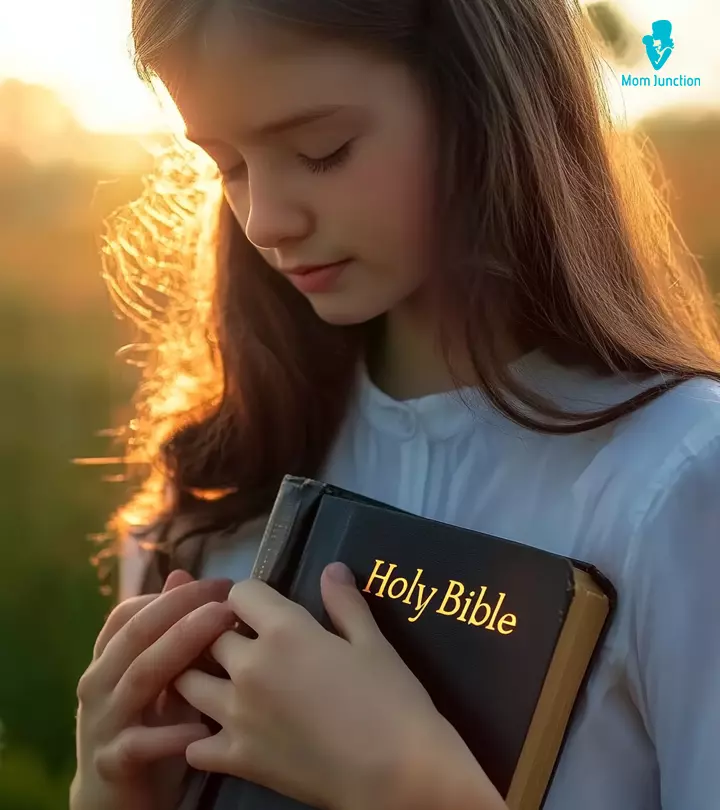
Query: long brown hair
551	233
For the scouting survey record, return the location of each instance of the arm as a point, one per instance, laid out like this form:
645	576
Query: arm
675	669
439	774
460	785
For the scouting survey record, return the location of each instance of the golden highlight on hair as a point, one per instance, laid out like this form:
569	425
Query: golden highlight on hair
553	231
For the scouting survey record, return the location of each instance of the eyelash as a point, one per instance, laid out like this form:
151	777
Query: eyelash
337	158
315	165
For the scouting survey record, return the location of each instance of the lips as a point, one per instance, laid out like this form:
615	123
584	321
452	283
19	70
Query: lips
318	279
303	270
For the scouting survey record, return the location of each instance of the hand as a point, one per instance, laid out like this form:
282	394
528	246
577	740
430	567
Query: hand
332	721
132	728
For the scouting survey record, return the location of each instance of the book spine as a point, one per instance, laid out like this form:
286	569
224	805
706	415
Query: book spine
282	541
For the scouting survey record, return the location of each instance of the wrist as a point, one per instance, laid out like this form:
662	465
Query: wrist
445	783
435	772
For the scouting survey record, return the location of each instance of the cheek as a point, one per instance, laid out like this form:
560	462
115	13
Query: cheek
391	199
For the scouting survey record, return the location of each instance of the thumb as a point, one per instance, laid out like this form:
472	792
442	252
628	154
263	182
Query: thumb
346	606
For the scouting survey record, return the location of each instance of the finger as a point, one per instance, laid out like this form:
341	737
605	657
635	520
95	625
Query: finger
206	663
178	708
349	611
175	578
170	708
146	626
227	650
141	745
129	607
260	606
155	668
120	616
217	755
209	695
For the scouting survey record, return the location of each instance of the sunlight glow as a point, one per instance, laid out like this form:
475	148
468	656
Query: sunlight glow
80	49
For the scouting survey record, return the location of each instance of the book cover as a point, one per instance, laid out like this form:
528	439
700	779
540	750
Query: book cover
502	635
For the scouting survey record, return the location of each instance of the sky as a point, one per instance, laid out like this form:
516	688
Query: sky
80	48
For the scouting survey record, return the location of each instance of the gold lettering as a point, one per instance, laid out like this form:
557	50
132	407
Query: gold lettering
495	613
406	600
472	620
484	614
461	617
450	595
384	579
511	619
422	605
392	586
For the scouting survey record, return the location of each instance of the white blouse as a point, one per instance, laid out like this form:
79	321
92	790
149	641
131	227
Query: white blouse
639	498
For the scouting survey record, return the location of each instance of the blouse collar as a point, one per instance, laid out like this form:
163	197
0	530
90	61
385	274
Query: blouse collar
438	416
450	413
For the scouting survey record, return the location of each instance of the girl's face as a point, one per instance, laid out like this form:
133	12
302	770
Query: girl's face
350	179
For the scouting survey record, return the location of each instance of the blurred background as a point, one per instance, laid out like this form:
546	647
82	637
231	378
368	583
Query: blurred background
77	135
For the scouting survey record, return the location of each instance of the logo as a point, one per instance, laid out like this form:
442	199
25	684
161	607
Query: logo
658	45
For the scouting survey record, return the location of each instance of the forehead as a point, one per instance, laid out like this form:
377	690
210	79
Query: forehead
237	74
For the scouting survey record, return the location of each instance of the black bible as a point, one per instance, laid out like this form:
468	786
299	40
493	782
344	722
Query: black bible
502	635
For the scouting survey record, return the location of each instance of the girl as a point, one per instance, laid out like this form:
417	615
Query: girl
430	270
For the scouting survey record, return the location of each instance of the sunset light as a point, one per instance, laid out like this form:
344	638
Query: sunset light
80	49
493	312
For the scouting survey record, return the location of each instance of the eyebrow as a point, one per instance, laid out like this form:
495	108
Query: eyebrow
276	127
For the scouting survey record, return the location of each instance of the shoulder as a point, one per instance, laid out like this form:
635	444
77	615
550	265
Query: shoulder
203	553
658	466
684	427
673	505
693	403
686	412
670	592
133	560
674	433
645	451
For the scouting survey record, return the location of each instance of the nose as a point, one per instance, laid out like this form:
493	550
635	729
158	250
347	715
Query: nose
270	216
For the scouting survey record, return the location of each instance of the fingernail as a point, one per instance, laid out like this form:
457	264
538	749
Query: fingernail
339	572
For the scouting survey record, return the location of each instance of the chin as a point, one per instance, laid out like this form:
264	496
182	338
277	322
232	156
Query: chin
345	313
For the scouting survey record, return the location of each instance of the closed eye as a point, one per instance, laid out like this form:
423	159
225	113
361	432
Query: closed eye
315	165
324	164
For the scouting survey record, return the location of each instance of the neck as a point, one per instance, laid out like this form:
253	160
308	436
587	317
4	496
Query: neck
408	362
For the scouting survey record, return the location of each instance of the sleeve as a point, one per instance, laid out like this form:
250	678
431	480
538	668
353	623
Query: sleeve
675	666
132	562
